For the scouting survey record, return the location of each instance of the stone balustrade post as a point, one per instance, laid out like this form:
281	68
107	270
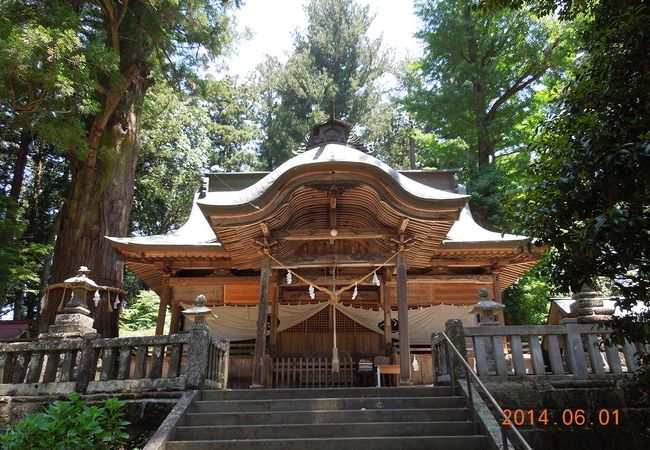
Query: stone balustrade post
197	356
87	364
456	333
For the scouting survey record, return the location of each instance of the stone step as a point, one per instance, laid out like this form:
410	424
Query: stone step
315	404
338	443
254	394
331	416
324	430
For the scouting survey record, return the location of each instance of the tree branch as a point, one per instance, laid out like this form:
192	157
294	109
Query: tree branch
113	97
535	72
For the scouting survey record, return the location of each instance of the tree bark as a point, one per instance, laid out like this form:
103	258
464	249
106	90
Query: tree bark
21	162
99	205
484	144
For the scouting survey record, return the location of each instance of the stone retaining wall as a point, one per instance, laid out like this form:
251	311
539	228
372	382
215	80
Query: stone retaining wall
632	432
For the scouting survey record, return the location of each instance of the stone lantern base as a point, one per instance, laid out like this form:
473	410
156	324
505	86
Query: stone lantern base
70	325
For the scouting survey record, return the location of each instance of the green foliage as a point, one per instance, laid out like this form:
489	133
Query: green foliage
527	300
141	312
590	198
332	58
476	78
69	424
9	251
437	153
182	137
47	72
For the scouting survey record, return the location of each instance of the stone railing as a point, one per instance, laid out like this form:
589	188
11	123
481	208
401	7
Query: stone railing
90	365
569	351
218	358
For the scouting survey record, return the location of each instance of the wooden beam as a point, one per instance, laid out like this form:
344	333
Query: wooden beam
323	235
260	339
203	281
385	304
273	338
402	227
265	230
175	325
381	259
402	308
498	297
293	296
222	263
326	280
462	262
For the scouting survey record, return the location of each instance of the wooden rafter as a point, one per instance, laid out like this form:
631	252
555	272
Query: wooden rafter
402	227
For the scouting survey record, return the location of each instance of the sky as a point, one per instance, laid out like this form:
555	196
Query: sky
273	23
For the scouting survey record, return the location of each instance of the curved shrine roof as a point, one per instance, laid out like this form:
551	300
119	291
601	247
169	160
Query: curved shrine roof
331	163
196	232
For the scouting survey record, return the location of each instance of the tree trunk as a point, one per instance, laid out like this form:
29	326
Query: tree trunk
99	204
21	163
484	144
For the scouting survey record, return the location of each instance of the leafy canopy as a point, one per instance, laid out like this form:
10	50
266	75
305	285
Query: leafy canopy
475	81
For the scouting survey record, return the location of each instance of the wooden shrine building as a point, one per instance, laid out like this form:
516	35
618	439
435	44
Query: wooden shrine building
332	249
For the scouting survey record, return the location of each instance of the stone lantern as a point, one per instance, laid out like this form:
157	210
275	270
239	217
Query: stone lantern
486	310
75	319
198	312
197	358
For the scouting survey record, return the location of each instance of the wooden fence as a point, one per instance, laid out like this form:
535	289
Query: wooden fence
575	351
59	366
312	373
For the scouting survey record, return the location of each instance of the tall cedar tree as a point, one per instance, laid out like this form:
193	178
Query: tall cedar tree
333	58
117	45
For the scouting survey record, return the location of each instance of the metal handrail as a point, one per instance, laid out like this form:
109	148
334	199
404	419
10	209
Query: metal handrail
469	371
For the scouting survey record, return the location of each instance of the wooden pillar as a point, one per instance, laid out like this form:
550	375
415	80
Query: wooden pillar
498	296
385	302
175	325
162	308
402	311
274	320
260	339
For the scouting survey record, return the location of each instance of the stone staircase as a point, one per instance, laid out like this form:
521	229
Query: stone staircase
315	419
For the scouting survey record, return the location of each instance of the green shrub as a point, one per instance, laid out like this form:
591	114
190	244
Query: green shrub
141	313
66	425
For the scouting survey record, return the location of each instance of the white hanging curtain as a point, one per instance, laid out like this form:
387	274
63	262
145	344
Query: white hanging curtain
239	323
422	322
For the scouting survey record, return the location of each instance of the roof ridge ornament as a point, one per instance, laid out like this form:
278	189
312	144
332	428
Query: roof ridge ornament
332	131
